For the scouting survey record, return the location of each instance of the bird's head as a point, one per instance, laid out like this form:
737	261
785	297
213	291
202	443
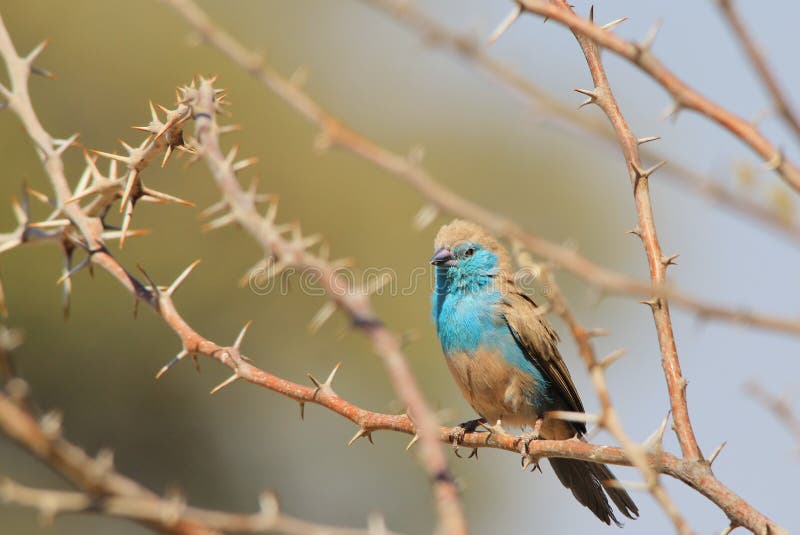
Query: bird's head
466	256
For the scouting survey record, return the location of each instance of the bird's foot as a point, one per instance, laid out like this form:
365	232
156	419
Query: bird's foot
524	440
523	445
530	460
458	432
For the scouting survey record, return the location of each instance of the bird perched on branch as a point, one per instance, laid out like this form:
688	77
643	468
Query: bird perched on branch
502	353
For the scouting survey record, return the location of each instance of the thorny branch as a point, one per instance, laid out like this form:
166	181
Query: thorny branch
603	97
87	231
759	62
165	137
105	491
684	96
469	49
356	304
42	438
168	511
334	133
608	418
370	422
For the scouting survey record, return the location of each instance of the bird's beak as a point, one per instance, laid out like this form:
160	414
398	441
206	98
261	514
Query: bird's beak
443	257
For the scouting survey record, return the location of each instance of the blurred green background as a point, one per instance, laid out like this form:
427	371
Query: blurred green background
98	367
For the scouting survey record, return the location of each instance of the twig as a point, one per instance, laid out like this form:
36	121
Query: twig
355	303
759	63
336	133
778	406
470	50
684	96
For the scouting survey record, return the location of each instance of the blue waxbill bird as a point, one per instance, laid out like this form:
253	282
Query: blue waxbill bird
503	355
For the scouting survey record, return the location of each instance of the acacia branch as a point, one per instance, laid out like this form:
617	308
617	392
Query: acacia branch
759	63
94	475
565	116
356	303
334	133
695	474
603	97
167	511
107	492
691	474
684	96
352	301
608	418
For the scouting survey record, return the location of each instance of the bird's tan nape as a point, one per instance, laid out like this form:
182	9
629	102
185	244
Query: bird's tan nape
460	231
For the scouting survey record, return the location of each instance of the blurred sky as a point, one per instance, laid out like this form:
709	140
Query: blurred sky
111	57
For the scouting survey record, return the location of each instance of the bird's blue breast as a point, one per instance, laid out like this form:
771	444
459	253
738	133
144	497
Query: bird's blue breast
468	321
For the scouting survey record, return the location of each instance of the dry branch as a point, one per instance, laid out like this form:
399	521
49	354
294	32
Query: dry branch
608	418
334	133
693	474
470	50
759	63
778	406
168	511
683	95
105	491
351	300
86	231
93	475
602	96
164	137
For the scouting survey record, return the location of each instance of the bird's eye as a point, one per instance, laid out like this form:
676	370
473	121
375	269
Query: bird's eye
469	252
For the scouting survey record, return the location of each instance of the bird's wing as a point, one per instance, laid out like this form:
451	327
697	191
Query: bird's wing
539	341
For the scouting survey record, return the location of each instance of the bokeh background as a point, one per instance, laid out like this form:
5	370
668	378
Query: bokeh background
479	139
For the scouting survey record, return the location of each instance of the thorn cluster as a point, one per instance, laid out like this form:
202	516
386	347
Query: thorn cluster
163	137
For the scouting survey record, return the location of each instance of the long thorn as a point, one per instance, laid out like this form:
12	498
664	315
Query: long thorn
182	277
230	380
238	343
506	23
176	359
715	453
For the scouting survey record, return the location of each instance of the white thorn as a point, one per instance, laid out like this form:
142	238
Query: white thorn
613	23
182	277
238	343
230	380
654	443
506	23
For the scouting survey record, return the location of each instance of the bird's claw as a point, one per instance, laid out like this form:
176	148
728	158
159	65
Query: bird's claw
528	460
524	441
458	432
523	444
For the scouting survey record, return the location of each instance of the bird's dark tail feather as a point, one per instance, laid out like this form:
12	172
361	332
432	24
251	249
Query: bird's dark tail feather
585	480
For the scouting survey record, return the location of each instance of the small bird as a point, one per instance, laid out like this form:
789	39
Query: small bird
503	355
